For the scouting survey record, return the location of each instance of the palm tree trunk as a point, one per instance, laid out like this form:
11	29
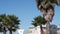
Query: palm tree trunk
48	27
50	14
10	32
41	29
4	32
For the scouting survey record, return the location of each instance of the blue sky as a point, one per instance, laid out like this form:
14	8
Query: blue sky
25	10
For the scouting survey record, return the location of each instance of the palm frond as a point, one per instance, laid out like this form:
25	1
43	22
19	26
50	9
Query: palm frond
38	21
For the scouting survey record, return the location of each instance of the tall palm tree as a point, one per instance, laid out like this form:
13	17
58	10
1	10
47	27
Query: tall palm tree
9	22
39	21
13	23
42	5
47	9
2	21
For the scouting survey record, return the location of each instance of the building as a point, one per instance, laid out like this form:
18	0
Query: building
36	30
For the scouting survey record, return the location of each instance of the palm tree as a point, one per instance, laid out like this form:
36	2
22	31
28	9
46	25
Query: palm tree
9	22
13	23
2	21
43	5
39	21
47	9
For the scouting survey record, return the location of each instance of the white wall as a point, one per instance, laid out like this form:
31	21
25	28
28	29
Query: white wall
20	31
